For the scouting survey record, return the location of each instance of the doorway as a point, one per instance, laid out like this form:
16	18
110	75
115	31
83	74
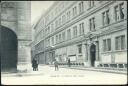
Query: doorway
8	49
93	54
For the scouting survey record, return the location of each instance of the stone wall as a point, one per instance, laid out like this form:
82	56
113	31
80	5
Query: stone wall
16	16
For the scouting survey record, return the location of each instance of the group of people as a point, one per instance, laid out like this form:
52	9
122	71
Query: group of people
35	64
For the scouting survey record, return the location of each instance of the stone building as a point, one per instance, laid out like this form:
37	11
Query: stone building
15	35
90	33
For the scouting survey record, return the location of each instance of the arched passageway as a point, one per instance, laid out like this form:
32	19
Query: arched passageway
8	49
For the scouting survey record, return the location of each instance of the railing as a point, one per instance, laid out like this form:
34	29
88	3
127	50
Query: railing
113	65
72	64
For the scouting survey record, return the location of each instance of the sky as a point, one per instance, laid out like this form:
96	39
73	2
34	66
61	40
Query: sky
38	8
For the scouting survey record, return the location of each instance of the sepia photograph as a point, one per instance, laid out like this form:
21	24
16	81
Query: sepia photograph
63	42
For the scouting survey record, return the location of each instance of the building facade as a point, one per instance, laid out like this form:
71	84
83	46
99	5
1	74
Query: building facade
90	33
15	35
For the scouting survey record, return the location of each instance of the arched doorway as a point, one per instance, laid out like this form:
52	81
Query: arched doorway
93	54
8	49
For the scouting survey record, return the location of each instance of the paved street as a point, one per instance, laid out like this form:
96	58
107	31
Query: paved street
47	75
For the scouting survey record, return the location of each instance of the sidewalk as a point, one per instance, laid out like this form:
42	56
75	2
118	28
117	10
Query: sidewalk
108	70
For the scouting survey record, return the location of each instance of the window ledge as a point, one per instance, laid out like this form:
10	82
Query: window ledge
120	50
114	51
113	23
80	54
106	51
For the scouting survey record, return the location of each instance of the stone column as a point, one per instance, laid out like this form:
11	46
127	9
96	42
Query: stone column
86	53
97	50
24	35
89	56
24	58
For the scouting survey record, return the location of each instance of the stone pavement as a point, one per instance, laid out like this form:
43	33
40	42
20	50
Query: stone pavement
64	76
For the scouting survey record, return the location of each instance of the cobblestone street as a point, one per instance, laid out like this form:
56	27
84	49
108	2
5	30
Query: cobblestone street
64	76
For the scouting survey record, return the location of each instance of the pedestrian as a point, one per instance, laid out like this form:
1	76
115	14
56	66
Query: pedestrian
56	65
34	64
69	63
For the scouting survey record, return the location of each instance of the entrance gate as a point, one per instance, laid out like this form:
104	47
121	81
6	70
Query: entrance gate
93	54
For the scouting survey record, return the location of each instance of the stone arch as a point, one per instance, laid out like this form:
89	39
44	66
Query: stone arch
8	49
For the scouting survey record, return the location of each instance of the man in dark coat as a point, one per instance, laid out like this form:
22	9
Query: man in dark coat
69	63
34	64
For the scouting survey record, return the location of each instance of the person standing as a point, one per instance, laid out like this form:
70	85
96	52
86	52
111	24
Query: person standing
56	65
69	63
34	64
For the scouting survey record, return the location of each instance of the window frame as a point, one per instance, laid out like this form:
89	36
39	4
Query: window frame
107	46
119	43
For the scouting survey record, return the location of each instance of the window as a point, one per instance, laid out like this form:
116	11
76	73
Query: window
63	36
120	42
63	19
56	38
68	15
121	6
91	4
119	12
74	31
59	37
81	6
52	27
56	23
116	13
92	24
106	19
60	21
74	11
81	28
80	48
52	40
48	41
68	34
107	45
48	29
